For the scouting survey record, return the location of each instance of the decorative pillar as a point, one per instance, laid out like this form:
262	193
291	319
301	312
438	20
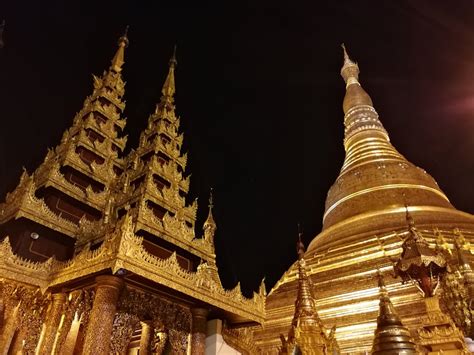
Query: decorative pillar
9	329
102	315
52	322
198	331
146	338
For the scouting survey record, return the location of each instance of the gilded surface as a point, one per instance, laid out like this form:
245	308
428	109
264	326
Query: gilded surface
364	228
101	322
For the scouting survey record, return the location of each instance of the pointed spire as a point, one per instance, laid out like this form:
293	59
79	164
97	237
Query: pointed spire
118	59
307	331
372	164
355	95
210	223
350	69
390	334
169	87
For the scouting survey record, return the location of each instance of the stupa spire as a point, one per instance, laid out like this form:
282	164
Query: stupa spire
350	69
391	335
374	176
357	101
119	58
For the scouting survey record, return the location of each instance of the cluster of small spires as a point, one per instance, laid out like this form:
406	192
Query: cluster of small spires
390	336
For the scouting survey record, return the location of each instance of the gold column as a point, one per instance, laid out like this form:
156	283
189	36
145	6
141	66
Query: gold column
146	338
52	322
8	330
198	332
103	311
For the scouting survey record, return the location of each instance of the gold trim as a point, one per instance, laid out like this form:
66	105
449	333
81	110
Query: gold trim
384	187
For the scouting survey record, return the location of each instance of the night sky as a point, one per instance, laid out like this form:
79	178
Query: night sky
260	97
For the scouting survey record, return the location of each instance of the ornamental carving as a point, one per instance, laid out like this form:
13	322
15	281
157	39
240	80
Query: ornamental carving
123	249
123	327
23	202
241	339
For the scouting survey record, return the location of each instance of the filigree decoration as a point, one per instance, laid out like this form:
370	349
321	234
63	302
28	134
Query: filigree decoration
178	341
23	202
173	197
123	327
241	339
77	307
48	174
439	328
455	298
177	227
31	315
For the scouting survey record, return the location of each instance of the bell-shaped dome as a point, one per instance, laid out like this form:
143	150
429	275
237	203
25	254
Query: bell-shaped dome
374	174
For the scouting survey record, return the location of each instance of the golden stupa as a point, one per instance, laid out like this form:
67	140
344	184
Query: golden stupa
99	252
364	226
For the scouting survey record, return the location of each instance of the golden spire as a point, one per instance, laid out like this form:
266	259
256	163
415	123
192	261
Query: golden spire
355	94
391	337
307	332
169	87
118	59
374	175
210	225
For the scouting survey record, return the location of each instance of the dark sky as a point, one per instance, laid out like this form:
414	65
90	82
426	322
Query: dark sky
260	96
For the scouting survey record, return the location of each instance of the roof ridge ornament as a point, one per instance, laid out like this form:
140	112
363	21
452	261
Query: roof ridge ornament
118	59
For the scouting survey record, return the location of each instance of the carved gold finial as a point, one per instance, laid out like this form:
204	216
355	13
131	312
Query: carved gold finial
210	225
169	87
390	333
118	59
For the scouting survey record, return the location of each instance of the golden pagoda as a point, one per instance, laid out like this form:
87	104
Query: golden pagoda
98	250
363	231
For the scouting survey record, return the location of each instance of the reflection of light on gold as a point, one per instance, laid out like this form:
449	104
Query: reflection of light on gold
383	187
58	333
71	337
356	330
